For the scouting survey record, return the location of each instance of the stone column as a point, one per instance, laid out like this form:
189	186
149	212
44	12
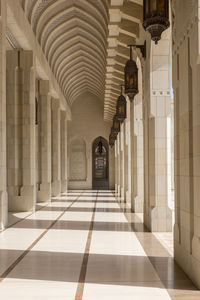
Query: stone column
21	130
128	156
122	161
14	132
63	151
116	168
157	214
131	155
44	111
126	166
56	149
138	155
3	175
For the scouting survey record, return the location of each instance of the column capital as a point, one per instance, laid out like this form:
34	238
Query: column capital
26	59
43	87
12	59
63	114
55	103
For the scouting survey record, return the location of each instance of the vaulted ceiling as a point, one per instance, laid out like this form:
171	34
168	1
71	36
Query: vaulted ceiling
85	43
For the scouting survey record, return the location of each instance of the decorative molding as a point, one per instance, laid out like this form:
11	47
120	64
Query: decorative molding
11	39
156	93
191	22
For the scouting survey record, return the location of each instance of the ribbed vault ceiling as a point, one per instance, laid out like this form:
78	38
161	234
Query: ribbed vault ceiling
73	36
85	43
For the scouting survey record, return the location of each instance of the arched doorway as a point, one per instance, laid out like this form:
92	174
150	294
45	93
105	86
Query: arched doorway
100	165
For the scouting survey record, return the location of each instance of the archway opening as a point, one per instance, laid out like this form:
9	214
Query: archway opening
100	164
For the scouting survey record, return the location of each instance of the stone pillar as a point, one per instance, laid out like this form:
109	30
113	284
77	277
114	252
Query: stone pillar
118	166
56	149
14	126
131	155
63	151
21	130
157	214
128	168
122	161
186	76
3	175
44	111
138	156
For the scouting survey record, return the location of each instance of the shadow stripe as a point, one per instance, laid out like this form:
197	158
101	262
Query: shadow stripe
19	259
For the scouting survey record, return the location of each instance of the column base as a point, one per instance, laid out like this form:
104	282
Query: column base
123	199
64	186
138	204
190	263
25	202
3	209
44	194
128	199
118	191
159	219
55	188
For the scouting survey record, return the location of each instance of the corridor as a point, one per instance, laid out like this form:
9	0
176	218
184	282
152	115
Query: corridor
86	245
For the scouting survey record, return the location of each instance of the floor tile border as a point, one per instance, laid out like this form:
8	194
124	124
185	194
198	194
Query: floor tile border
24	253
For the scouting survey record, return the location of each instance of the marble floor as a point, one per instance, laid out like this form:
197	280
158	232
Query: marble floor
85	245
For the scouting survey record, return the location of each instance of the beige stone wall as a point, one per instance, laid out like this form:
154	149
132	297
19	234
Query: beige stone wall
87	124
186	75
3	173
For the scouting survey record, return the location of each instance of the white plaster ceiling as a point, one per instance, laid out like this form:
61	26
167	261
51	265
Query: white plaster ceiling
85	43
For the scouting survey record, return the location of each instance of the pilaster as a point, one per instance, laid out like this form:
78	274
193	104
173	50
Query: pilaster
128	158
21	130
56	149
186	76
131	156
122	161
157	214
3	180
118	167
63	151
44	101
138	171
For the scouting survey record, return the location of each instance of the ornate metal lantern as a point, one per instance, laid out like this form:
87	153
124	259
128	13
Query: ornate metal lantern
131	77
100	147
121	108
113	134
116	125
112	137
156	17
111	140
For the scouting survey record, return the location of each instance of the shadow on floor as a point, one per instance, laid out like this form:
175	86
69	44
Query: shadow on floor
102	269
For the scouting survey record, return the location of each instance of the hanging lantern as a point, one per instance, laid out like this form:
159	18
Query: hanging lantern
116	125
121	108
111	140
131	77
100	147
156	17
113	134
